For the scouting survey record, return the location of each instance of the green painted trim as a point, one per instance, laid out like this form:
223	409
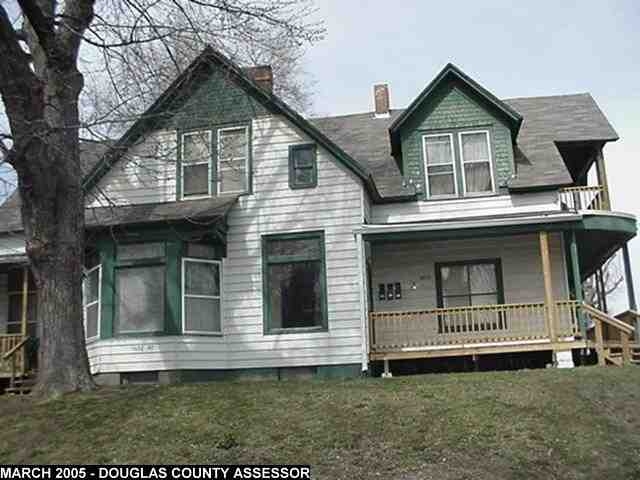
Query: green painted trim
576	280
513	117
107	253
314	167
157	113
173	300
266	306
624	225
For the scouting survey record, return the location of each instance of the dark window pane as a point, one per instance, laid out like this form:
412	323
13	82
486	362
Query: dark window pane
200	250
202	314
92	320
303	176
91	287
441	185
202	278
15	281
195	180
303	157
295	294
140	299
15	309
308	247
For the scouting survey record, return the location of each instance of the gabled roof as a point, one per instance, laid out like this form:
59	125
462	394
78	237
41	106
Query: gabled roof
514	119
547	122
187	82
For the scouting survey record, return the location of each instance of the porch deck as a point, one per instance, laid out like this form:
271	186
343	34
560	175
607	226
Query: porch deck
442	332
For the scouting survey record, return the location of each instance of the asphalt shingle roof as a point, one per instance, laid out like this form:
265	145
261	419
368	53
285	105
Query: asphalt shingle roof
547	120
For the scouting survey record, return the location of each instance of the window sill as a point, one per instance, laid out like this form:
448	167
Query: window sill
286	331
468	196
202	334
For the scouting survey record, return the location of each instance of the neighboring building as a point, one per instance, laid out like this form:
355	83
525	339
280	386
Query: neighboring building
226	233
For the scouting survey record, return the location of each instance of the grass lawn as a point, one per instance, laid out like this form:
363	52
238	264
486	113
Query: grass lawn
581	423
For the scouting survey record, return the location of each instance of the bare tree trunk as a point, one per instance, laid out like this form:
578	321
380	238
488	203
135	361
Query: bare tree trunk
53	213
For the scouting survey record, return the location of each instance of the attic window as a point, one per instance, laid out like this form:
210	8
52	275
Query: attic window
440	166
475	156
195	167
303	172
233	158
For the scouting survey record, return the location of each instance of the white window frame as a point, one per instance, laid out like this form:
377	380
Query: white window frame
184	295
426	166
246	159
98	301
463	163
182	165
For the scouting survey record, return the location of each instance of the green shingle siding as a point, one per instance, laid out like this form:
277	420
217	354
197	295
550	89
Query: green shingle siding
217	101
451	109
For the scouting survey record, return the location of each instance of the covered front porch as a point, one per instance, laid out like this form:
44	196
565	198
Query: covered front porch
449	290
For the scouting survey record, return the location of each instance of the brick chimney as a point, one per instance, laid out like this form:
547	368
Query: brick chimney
381	100
261	76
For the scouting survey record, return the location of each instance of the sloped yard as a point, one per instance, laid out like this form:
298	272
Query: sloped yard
583	423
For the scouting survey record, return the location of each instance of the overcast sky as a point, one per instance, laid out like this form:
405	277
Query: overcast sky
514	49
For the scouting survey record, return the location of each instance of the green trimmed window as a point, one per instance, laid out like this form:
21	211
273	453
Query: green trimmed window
470	283
91	301
140	288
213	162
458	164
303	166
201	296
294	282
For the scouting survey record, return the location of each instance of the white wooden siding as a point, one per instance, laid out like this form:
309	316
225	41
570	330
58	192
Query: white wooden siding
145	174
409	262
335	206
424	211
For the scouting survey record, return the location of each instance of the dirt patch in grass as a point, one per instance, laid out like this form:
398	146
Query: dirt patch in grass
577	424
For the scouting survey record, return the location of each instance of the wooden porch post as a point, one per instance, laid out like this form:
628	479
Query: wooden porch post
23	319
602	180
628	280
550	311
577	281
25	300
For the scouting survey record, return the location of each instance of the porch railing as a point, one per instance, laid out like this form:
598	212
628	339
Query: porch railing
474	324
8	342
584	198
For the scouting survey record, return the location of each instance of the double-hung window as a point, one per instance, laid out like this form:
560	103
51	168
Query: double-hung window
303	170
233	159
91	301
195	165
294	283
201	302
440	165
475	157
140	288
466	284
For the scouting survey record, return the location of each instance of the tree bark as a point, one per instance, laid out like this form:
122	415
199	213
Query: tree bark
53	217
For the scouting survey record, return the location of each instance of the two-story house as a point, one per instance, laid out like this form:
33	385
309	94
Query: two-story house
228	235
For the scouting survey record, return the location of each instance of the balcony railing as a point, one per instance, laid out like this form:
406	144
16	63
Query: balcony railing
476	324
584	198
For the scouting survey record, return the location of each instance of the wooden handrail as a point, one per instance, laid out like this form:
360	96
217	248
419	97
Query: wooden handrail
15	348
590	197
609	320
